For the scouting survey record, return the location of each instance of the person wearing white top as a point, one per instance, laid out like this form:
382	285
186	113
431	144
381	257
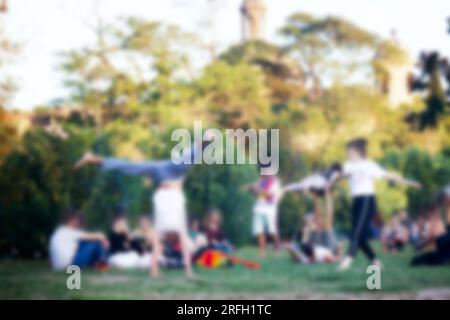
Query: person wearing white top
265	211
69	245
362	174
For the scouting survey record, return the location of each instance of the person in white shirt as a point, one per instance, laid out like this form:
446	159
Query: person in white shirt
69	245
265	212
362	174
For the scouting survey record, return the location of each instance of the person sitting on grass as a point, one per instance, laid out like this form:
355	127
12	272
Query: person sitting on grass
395	235
440	254
432	227
125	252
141	239
212	229
197	237
119	234
308	246
71	245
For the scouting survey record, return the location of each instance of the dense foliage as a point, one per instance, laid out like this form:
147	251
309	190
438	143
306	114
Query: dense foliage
136	84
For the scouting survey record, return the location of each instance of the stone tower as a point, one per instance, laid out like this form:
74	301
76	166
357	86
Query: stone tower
3	6
253	19
394	69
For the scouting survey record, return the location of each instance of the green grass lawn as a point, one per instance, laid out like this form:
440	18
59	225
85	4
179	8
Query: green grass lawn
278	278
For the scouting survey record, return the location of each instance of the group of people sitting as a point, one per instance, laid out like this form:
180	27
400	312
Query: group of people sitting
169	242
428	234
433	242
122	248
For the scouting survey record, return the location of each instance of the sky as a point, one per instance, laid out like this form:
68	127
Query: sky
46	28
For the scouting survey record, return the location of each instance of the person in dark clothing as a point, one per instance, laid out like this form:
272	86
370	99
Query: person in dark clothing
212	229
441	254
119	235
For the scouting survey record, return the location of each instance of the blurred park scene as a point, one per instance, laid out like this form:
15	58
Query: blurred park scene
318	76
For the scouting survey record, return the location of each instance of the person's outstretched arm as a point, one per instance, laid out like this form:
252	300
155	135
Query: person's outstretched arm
395	178
296	186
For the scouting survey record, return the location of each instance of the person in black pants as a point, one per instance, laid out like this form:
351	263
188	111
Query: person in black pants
363	210
362	174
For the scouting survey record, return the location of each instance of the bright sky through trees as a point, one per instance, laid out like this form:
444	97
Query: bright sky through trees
46	27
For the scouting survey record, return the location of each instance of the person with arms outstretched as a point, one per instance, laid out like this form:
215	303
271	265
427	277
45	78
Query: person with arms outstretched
362	173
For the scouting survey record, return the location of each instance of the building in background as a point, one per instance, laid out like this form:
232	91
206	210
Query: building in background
393	69
3	6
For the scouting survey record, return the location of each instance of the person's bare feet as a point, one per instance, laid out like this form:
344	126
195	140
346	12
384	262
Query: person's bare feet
378	263
87	159
191	276
345	264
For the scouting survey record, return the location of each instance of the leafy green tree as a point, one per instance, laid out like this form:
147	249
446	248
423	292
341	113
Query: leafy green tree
235	95
434	69
131	71
219	187
8	134
38	182
318	42
284	77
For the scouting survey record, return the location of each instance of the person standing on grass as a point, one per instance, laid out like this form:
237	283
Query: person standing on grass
265	212
169	202
362	174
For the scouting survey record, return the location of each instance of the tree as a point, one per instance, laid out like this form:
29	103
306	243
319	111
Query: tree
320	129
284	77
131	71
317	43
8	50
8	132
235	95
434	69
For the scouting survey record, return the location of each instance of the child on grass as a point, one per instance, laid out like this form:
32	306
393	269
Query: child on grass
265	212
